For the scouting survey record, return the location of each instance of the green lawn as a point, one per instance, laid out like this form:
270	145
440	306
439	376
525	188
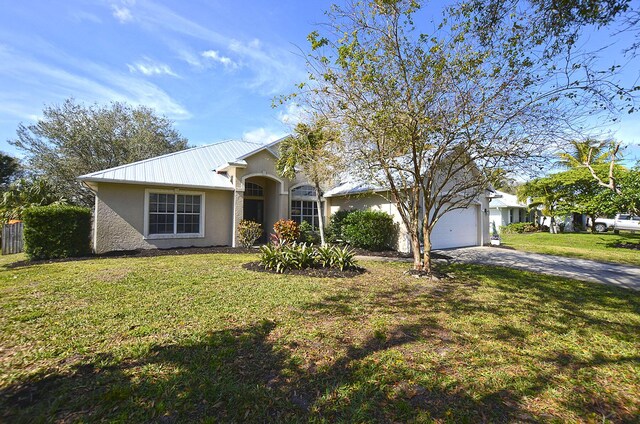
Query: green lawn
599	247
198	338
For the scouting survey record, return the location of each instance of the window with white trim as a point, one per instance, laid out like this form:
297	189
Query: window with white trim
304	205
174	215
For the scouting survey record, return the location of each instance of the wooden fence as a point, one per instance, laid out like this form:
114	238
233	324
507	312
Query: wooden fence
12	241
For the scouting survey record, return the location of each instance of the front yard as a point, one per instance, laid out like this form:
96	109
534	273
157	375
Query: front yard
599	246
198	338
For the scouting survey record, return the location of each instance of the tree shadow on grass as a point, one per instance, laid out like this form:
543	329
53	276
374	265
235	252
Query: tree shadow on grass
412	370
241	376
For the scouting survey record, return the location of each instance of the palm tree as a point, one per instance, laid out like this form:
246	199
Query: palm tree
585	153
309	150
595	155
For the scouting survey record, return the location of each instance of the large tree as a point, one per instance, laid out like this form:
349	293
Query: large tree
74	139
430	113
9	170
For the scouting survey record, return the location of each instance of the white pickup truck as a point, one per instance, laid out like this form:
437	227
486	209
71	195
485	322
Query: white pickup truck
622	221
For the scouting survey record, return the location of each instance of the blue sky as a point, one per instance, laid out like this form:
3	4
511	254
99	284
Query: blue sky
212	66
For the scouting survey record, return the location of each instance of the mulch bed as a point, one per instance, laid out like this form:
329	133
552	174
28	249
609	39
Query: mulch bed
632	246
309	272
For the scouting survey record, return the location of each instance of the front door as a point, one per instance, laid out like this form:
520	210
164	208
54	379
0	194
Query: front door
254	211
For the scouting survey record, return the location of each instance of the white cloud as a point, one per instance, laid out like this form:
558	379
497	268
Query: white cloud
84	80
121	13
149	67
262	135
227	62
273	69
188	56
292	115
81	16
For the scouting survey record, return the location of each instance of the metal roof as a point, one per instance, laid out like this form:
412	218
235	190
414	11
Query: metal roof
352	187
195	167
506	200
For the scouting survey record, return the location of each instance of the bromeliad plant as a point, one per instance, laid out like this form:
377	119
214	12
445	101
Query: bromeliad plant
282	257
284	253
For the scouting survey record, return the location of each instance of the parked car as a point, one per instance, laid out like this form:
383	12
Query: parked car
622	221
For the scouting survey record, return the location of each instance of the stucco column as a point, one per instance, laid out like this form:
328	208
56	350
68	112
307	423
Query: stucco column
238	214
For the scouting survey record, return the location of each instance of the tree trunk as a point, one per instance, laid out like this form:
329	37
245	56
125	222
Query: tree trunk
593	223
415	249
320	214
427	252
553	229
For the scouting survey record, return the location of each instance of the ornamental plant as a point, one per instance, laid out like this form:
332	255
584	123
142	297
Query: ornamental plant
286	231
284	257
248	232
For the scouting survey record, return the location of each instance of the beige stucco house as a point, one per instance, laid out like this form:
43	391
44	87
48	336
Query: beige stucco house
197	197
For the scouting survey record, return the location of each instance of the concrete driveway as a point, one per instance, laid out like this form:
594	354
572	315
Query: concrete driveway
579	269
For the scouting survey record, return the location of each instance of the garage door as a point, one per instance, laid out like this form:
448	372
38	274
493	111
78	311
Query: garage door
456	228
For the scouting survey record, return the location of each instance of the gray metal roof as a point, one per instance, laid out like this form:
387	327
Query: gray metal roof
195	167
506	200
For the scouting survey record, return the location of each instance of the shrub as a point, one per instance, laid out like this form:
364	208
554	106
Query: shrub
371	230
249	232
334	230
286	231
518	227
57	231
308	234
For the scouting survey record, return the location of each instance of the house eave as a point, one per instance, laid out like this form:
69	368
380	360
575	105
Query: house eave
153	184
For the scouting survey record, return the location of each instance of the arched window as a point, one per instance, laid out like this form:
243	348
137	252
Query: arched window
304	205
253	190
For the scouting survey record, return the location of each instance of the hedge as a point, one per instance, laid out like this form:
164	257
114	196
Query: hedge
334	229
57	231
518	228
371	230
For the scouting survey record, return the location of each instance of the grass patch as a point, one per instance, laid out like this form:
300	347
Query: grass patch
199	338
599	246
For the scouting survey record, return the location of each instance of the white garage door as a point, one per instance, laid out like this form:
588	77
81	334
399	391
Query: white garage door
456	228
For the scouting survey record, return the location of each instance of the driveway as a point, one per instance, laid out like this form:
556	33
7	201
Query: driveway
627	276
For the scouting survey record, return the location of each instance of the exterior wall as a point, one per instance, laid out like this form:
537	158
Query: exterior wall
382	202
502	216
120	219
261	168
375	202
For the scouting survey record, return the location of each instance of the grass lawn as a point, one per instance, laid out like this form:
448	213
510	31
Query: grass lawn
198	338
599	246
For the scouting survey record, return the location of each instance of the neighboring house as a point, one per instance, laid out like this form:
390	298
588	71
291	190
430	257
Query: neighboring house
197	197
505	209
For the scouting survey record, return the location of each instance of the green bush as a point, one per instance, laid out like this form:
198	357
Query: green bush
334	229
248	232
286	231
371	230
518	228
57	231
283	257
308	234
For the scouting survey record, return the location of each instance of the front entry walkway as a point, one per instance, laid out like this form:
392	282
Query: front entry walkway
627	276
